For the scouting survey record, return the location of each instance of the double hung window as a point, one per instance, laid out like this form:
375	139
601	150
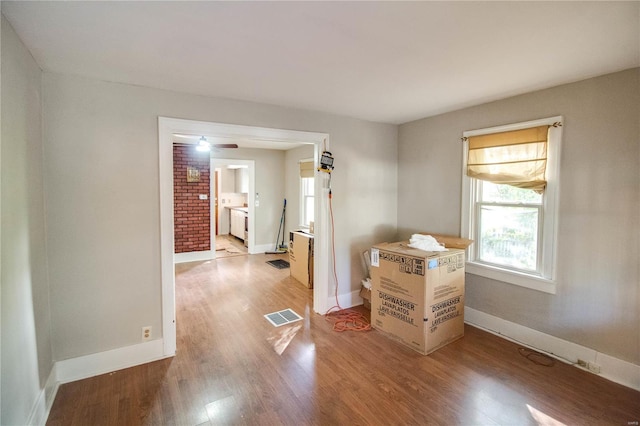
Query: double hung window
509	205
306	192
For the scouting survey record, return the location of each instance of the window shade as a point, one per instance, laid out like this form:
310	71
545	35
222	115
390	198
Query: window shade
517	158
306	169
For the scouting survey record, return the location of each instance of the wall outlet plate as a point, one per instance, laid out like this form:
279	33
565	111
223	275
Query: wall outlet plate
146	333
594	368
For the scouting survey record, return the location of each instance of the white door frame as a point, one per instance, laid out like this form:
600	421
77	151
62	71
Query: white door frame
166	127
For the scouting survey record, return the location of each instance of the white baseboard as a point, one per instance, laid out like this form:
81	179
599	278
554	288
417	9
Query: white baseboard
347	300
192	256
197	256
614	369
87	366
261	248
83	367
41	408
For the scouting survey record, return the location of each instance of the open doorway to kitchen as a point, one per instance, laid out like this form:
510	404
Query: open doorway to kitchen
169	126
232	221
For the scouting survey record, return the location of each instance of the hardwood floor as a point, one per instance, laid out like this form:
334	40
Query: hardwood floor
233	367
228	246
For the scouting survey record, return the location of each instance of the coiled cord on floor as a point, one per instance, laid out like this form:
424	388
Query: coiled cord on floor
537	357
343	319
348	320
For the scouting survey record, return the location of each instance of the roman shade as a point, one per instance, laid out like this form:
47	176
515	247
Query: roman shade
306	169
517	158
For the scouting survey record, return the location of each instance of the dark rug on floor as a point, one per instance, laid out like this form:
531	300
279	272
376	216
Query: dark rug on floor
278	263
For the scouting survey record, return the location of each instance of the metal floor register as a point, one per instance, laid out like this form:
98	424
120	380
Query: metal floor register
282	317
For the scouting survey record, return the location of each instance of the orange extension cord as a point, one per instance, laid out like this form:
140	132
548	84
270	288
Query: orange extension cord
343	319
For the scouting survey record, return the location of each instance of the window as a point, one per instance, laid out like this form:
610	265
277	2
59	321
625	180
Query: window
306	192
509	205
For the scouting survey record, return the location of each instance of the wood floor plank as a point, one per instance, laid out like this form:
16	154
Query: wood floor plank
233	367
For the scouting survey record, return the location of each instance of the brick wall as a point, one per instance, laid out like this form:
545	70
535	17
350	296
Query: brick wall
191	215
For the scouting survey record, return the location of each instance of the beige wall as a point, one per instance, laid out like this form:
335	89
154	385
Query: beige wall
26	335
101	147
597	304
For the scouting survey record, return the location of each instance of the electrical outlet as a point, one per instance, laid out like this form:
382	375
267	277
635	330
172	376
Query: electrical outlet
594	368
146	333
582	363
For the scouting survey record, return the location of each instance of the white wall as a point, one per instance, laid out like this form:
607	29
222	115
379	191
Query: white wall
26	336
597	304
101	169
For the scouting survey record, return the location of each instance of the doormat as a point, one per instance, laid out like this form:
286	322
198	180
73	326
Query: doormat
278	263
282	317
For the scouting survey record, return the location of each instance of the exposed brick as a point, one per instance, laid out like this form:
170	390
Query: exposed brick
191	215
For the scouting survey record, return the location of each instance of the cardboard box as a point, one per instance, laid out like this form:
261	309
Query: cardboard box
365	293
301	257
417	296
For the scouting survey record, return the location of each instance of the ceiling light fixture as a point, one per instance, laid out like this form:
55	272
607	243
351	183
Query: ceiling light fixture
203	145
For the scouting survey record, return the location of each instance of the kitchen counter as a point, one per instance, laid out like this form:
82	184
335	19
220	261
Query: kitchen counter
239	208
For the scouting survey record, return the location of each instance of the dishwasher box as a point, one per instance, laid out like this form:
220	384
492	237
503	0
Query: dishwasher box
301	257
417	296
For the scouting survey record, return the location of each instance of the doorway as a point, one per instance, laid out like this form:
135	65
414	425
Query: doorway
231	199
166	128
223	245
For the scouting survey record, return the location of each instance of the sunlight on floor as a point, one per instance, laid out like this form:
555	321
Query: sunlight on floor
224	411
281	338
542	419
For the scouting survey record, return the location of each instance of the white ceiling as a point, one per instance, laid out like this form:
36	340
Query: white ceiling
381	61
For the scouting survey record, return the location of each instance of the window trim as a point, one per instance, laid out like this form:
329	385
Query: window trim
547	282
302	197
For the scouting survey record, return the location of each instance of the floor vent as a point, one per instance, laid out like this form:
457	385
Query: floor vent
279	263
282	317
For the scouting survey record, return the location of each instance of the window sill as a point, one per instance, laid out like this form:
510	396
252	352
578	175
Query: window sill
510	277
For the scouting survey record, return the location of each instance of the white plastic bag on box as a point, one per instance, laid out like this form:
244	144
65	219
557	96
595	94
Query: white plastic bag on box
425	242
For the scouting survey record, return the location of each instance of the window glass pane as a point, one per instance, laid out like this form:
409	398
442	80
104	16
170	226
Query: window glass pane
306	214
509	236
308	210
496	193
307	186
